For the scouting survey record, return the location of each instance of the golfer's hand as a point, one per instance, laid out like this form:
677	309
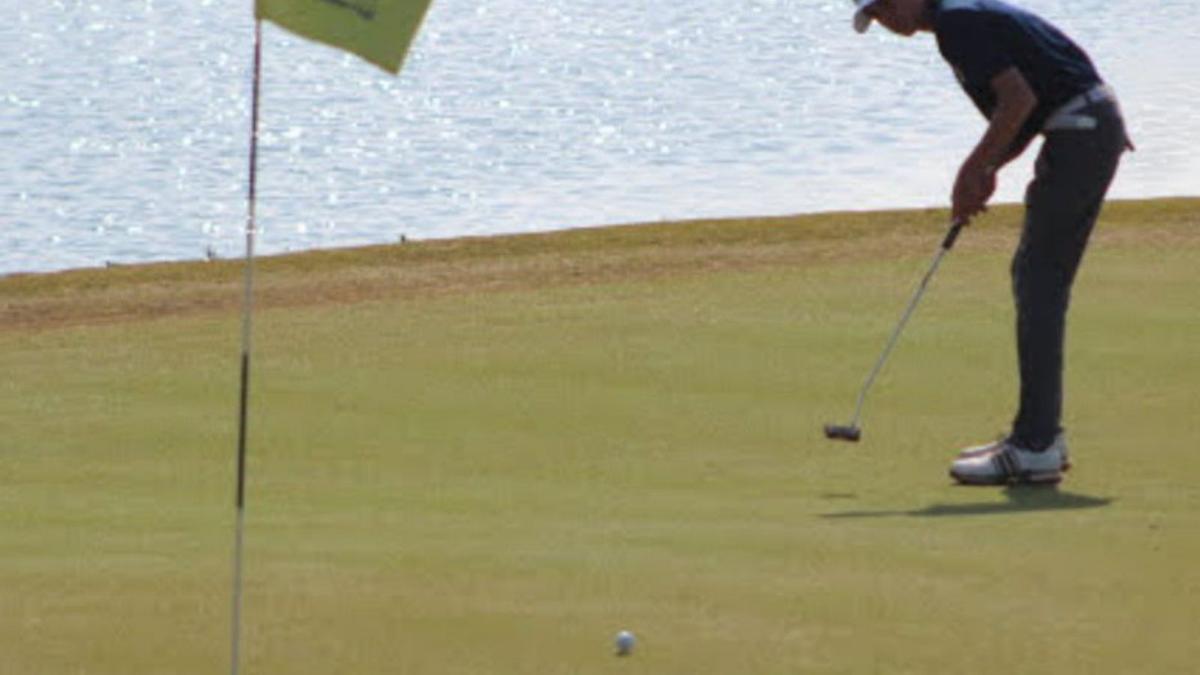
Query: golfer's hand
972	190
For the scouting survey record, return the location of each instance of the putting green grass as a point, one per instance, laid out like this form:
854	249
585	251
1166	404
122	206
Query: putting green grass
488	456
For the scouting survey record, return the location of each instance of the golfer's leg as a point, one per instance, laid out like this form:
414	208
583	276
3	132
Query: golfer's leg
1073	173
1040	314
1043	270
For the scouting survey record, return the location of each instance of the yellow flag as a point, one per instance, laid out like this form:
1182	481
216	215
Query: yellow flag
379	31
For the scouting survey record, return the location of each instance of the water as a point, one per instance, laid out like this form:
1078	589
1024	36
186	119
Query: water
124	124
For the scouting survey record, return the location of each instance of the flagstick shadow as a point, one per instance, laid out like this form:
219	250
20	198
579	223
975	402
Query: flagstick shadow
1020	499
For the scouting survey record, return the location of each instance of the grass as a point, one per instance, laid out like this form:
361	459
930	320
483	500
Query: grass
489	456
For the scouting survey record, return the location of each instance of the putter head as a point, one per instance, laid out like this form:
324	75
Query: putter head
837	432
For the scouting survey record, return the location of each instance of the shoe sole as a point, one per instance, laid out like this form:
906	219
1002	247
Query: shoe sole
1026	478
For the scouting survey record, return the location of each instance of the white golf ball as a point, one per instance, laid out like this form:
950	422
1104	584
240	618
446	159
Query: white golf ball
625	643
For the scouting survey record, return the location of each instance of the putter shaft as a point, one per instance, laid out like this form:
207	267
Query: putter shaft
946	245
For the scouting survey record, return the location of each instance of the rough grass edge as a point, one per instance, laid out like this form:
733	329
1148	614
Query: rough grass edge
588	255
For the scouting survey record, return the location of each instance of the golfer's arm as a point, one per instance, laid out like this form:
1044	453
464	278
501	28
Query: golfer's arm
1015	101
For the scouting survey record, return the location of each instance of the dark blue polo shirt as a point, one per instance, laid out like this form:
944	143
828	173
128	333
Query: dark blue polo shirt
982	38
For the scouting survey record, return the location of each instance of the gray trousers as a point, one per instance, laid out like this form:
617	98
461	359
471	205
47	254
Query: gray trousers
1072	175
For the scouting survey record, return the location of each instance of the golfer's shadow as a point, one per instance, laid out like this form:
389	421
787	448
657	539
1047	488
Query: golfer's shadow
1020	498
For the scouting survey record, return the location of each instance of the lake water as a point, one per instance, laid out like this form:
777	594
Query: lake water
124	123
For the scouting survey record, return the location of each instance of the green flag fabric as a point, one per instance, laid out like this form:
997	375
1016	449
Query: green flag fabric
379	31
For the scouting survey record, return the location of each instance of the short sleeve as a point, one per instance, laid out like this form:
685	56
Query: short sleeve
973	44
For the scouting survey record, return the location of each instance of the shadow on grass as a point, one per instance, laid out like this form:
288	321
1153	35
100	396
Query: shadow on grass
1020	499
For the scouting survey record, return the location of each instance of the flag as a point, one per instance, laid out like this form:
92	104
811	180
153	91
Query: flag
379	31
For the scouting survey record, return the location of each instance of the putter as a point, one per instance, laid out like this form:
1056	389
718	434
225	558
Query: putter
852	432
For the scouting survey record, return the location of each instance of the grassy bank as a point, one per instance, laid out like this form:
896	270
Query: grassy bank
423	270
489	455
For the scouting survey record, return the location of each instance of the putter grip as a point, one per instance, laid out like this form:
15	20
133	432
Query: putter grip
952	235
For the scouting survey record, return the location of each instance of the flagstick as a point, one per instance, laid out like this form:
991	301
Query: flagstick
243	399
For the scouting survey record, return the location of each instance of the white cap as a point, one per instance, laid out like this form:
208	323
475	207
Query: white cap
861	21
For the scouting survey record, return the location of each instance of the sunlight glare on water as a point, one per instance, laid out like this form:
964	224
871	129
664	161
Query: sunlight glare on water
125	124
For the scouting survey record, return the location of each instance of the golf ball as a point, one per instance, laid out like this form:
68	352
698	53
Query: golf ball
625	642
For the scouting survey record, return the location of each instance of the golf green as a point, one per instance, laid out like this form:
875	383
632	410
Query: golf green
489	456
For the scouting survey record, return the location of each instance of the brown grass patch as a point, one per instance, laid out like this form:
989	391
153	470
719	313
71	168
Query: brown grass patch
516	262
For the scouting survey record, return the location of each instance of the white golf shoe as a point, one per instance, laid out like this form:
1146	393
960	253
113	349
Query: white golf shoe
989	448
1003	463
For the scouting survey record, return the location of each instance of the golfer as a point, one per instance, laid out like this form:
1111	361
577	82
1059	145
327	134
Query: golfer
1027	78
